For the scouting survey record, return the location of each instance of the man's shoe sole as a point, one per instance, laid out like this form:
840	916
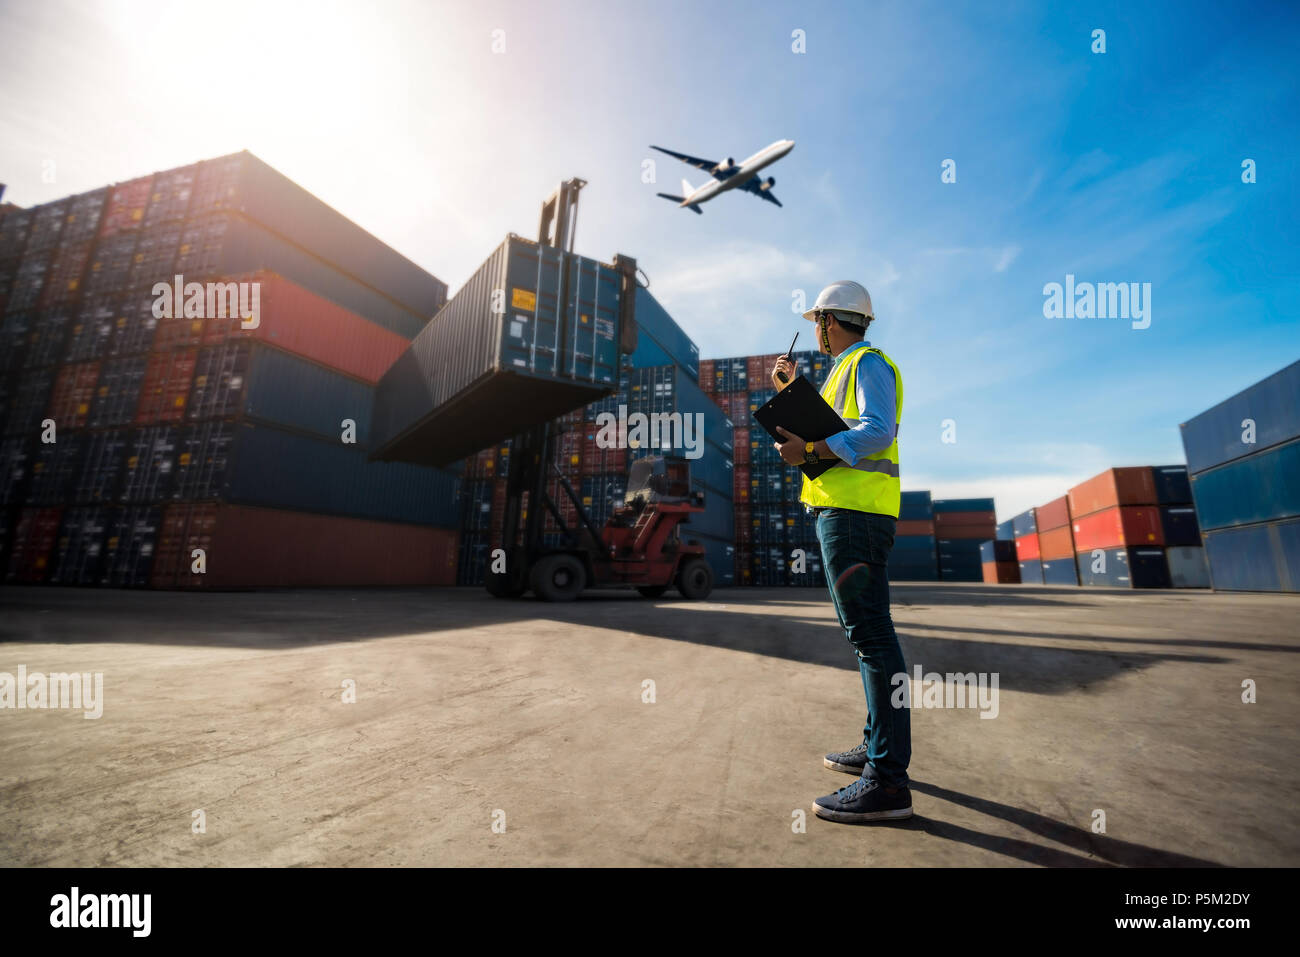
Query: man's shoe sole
854	817
846	768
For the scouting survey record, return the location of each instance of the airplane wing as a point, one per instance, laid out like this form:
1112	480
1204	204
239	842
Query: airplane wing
754	185
706	165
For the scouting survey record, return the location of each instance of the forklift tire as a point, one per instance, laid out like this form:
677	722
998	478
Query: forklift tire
558	577
651	591
695	579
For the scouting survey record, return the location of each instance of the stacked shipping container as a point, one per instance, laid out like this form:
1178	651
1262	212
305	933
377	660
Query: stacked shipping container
960	525
1244	459
1127	527
128	439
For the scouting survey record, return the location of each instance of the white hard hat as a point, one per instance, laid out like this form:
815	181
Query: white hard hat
844	296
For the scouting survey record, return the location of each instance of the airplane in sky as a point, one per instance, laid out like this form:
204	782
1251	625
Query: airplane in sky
729	175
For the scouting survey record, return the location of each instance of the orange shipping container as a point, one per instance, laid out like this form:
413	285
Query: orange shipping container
1056	543
1127	486
1001	573
1054	514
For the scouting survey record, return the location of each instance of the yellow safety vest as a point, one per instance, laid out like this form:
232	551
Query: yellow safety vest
872	485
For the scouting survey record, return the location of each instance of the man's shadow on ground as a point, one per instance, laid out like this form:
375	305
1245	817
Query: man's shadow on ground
1105	851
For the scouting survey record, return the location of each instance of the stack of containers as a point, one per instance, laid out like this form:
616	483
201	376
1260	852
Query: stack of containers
915	556
194	432
960	526
998	564
1184	551
1244	455
776	542
1118	534
1056	543
1024	530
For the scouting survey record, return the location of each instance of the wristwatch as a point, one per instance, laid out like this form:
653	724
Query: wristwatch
809	453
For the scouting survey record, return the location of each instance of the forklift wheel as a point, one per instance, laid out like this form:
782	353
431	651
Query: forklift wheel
695	579
558	578
651	591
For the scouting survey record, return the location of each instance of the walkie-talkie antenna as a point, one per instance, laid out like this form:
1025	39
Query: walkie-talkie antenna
788	355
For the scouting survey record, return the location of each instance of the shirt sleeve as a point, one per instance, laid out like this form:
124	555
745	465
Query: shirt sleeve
878	407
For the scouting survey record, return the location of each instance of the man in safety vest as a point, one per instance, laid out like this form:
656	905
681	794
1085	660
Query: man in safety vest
856	508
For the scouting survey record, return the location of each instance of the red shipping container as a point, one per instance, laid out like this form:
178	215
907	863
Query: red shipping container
1126	486
64	278
179	334
126	205
741	447
305	324
33	543
1056	544
915	526
740	483
165	389
706	375
270	548
1054	514
743	517
758	370
981	532
1001	573
1027	547
1118	527
498	517
74	390
946	520
745	566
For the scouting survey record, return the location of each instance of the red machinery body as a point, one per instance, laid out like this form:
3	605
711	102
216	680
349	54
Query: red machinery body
642	536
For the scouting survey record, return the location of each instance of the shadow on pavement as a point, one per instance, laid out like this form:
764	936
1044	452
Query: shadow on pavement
1106	850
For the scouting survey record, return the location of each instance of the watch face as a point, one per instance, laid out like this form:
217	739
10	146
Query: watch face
809	447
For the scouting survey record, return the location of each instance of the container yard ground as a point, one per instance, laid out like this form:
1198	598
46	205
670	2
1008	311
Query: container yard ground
1127	702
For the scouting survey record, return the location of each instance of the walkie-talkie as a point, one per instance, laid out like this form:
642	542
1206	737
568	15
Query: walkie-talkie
781	375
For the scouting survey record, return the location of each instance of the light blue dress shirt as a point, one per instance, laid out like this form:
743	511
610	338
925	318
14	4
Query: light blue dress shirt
877	407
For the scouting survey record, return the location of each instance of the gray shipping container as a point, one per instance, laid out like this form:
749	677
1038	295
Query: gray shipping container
535	333
1187	567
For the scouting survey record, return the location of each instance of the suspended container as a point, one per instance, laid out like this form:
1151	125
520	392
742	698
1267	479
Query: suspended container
535	333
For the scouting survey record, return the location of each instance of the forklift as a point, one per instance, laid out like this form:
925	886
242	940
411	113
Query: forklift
640	545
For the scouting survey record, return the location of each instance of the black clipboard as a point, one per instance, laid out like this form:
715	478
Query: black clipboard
799	408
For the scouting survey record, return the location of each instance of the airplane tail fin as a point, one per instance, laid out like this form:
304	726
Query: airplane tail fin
687	188
694	207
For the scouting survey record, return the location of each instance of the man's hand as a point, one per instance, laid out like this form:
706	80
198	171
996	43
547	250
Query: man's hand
792	449
783	365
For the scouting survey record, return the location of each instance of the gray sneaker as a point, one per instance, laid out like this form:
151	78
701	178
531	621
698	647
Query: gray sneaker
864	802
850	762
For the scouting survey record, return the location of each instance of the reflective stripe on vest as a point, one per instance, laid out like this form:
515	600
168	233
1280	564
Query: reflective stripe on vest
872	485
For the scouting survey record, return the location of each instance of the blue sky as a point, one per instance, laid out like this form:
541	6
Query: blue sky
1115	167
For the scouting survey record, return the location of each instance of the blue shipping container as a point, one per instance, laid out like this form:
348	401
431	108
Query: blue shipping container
1026	523
1031	572
1259	488
1172	484
1268	412
1256	557
658	335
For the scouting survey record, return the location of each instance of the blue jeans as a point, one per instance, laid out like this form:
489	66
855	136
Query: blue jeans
855	548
